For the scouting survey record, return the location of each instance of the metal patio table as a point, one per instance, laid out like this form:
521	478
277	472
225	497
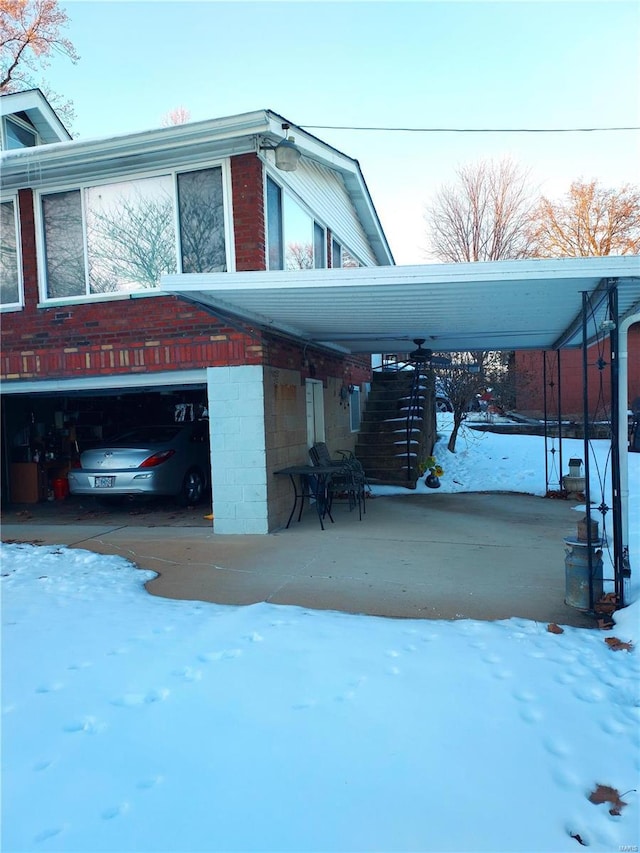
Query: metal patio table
311	481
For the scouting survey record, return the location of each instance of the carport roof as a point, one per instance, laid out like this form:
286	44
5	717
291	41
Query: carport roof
502	305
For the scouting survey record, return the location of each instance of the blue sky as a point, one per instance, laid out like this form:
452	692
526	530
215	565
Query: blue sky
391	64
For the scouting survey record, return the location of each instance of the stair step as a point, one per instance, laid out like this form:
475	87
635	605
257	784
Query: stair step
382	442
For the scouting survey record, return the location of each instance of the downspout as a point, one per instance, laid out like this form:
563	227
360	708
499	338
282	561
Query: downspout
586	425
623	436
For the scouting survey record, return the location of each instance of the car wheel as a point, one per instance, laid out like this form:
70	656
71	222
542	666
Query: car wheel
192	488
443	405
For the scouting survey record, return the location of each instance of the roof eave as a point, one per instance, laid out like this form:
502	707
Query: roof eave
41	114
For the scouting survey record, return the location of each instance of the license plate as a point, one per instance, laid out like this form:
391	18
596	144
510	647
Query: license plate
104	482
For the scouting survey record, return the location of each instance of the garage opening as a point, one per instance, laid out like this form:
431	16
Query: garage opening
45	434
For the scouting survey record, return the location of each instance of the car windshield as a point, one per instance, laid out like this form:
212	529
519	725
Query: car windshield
147	435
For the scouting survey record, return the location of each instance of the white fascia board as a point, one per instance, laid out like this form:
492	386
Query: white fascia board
585	272
130	382
52	162
319	151
310	146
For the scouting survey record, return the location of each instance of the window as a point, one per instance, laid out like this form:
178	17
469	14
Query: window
9	258
354	409
64	253
121	237
202	221
319	246
341	257
295	241
18	134
298	235
274	226
336	254
348	261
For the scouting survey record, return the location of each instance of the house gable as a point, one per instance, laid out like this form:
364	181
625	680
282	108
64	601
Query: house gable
28	120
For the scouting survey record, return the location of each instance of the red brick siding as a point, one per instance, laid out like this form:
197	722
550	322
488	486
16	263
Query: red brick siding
28	239
315	364
159	333
530	386
120	337
248	212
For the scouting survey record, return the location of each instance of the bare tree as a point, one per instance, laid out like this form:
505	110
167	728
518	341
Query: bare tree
132	244
461	383
179	115
30	33
299	256
201	213
9	287
590	220
484	216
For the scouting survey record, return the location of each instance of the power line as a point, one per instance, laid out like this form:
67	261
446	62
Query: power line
469	129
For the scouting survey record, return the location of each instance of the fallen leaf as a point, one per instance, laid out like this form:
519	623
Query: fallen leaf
554	629
617	645
606	794
607	604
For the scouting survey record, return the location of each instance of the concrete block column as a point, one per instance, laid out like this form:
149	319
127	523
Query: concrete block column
238	449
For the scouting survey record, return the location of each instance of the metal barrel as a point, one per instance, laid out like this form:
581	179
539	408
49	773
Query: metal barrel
576	565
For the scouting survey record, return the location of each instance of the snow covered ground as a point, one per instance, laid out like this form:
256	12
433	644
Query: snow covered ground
134	723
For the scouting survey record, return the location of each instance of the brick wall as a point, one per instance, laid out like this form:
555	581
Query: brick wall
530	386
132	335
123	336
316	364
248	213
143	334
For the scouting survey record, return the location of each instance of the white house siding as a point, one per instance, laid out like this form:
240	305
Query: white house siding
324	192
238	451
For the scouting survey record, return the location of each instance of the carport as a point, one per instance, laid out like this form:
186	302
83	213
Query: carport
530	304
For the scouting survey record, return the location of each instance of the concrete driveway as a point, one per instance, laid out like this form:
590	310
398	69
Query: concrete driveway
433	556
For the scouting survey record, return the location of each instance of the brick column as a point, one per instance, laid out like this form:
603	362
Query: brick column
248	212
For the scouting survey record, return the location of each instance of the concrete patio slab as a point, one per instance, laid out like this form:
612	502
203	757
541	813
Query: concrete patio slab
433	556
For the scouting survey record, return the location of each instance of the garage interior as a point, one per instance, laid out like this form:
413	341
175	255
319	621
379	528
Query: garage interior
44	433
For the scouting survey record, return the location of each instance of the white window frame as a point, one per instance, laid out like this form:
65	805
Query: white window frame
172	173
19	305
14	119
265	190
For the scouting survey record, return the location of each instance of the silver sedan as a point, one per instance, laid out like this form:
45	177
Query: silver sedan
169	460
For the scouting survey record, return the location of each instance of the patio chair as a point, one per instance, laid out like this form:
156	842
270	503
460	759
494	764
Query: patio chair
349	478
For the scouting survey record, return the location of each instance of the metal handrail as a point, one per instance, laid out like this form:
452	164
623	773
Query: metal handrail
396	366
413	407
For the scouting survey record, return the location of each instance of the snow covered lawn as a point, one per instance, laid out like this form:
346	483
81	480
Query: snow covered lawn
134	723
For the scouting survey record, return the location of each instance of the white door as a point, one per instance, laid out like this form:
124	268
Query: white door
315	411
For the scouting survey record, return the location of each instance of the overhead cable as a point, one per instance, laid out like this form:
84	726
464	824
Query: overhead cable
469	129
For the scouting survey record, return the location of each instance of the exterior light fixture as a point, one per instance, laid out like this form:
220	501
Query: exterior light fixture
286	152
